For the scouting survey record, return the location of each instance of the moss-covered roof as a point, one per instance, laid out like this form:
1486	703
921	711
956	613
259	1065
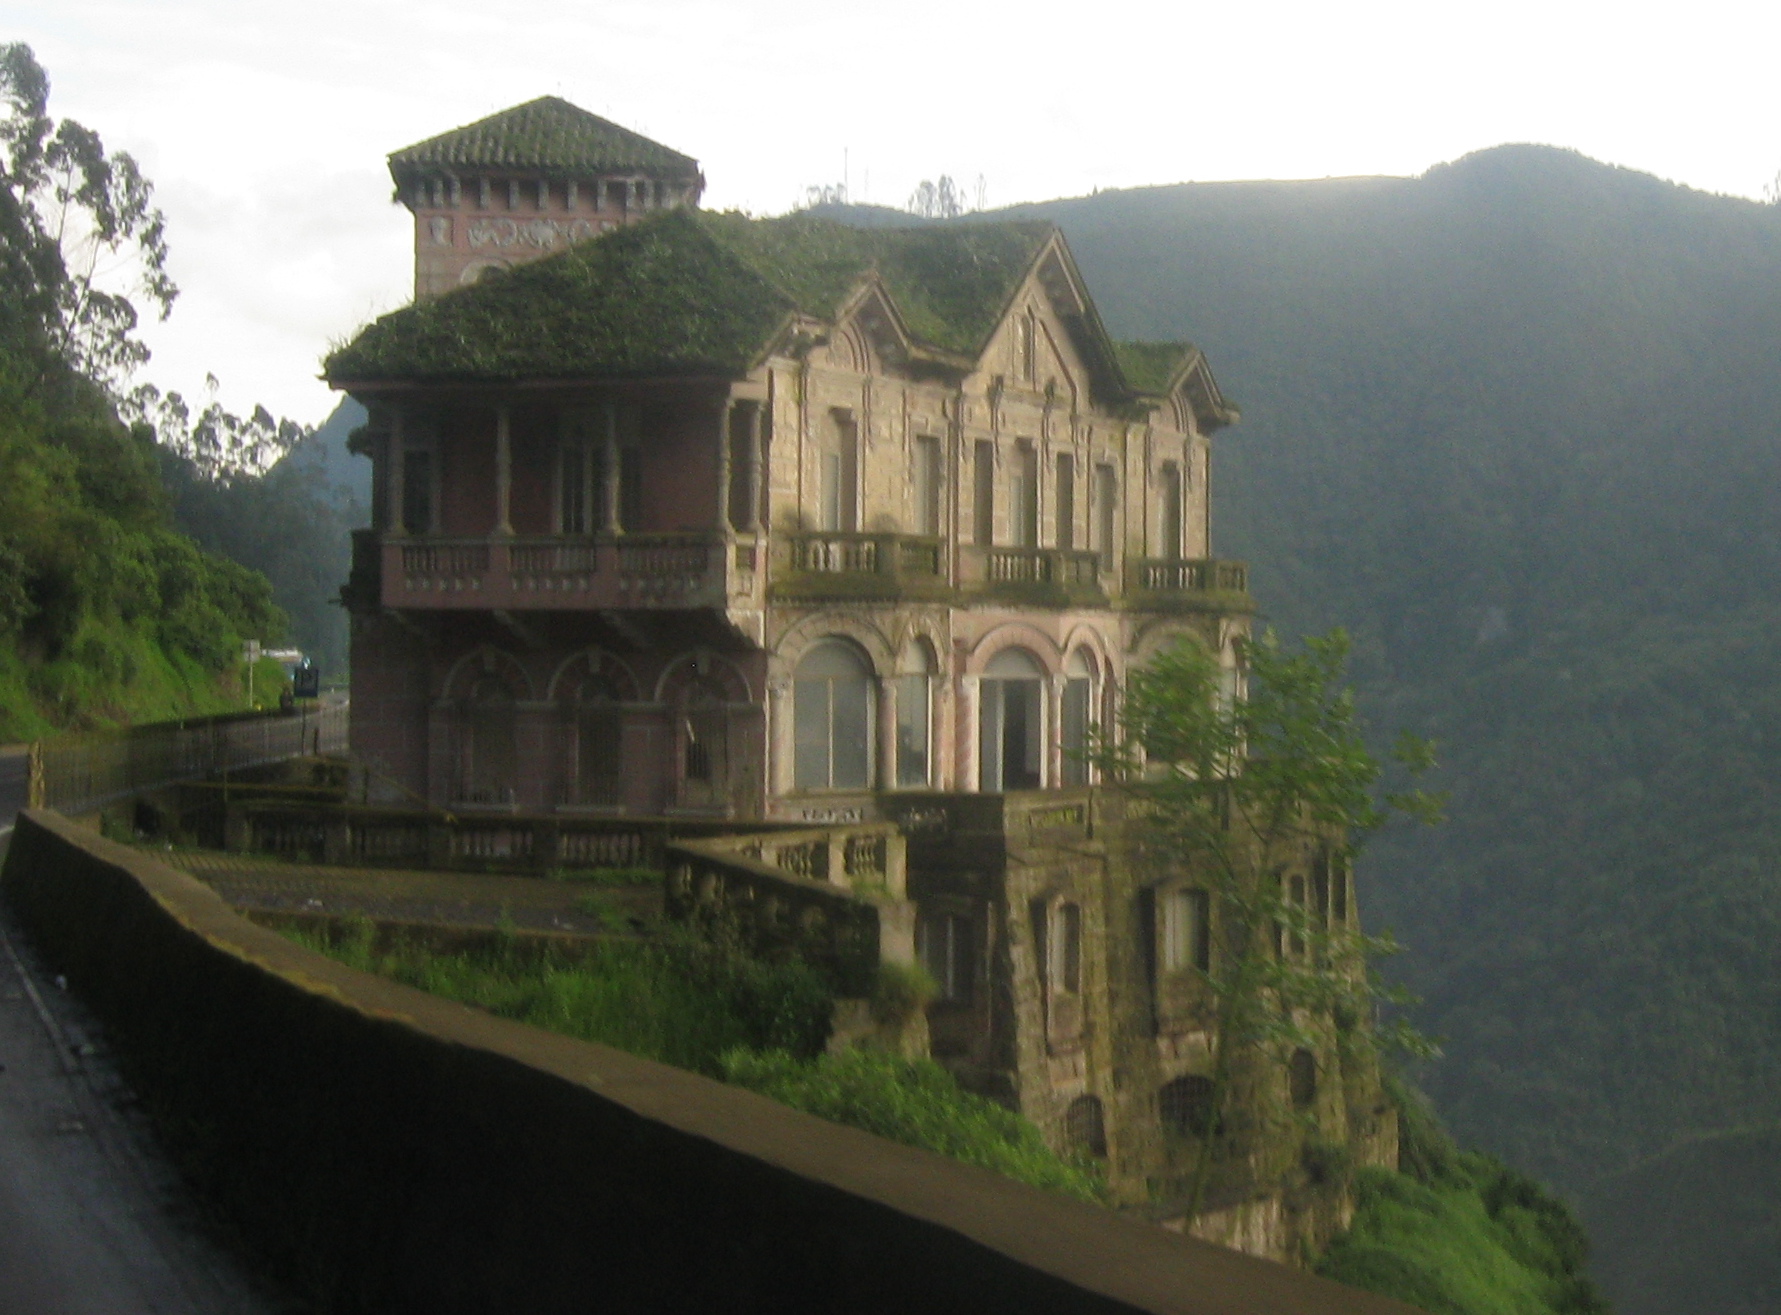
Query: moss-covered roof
547	135
691	292
1149	367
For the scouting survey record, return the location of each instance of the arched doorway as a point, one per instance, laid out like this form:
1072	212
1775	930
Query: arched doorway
491	759
832	707
1010	723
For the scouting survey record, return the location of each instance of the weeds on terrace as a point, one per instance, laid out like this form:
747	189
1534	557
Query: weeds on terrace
677	999
707	1005
915	1102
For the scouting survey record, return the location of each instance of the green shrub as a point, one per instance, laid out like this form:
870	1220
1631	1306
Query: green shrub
915	1102
900	991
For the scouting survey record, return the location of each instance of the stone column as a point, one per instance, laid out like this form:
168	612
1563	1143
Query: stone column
609	481
394	443
503	469
723	466
887	733
756	471
965	729
781	745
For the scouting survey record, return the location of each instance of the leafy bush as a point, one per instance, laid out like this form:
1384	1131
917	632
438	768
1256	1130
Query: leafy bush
915	1102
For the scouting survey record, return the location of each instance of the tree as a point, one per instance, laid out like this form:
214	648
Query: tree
937	200
79	235
1249	791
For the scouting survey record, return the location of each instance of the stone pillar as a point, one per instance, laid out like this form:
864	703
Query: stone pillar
503	469
756	470
609	480
965	728
887	733
1053	730
394	443
723	466
781	745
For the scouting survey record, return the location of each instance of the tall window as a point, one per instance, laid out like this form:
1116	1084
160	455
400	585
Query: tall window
417	490
943	943
1186	930
839	510
915	698
1078	700
1066	949
1186	1106
1169	517
983	495
599	745
493	761
832	716
1084	1130
925	484
630	487
1023	496
1106	501
1066	501
1010	733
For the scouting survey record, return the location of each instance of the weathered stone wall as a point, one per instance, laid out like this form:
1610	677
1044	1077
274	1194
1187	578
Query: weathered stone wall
391	1151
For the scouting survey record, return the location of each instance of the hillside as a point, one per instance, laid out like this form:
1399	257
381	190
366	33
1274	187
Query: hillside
1514	423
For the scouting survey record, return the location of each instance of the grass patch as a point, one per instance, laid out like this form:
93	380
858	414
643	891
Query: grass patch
677	999
706	1005
1459	1233
915	1102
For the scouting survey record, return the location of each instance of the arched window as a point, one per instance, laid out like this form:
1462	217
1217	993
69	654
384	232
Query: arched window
599	744
1010	717
1079	682
705	758
491	761
1186	1106
832	716
915	715
1085	1132
1302	1077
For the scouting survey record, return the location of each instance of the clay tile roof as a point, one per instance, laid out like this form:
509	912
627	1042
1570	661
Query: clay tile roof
547	135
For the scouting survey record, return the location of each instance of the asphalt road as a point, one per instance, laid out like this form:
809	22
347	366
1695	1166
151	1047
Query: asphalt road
92	1219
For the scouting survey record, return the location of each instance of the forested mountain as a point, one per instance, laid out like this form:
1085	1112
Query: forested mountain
1515	425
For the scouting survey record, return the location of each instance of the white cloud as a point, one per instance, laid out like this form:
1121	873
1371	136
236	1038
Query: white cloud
265	127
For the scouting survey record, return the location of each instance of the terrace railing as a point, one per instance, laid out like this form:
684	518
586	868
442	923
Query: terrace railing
87	770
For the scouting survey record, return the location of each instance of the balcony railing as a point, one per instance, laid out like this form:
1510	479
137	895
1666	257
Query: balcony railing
1188	576
633	570
840	564
1034	574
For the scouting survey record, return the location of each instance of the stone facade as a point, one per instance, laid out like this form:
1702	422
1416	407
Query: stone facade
860	573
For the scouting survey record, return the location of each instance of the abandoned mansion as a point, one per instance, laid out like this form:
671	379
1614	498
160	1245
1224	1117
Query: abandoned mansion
687	514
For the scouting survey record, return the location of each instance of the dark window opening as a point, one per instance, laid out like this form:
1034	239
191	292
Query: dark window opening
1186	1106
1085	1131
983	494
417	490
1302	1077
944	946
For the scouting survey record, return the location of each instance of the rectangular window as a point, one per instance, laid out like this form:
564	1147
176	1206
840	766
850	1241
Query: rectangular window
913	728
1186	930
1169	517
630	488
943	943
1023	499
1075	728
1067	967
1106	501
1065	500
926	484
417	490
983	509
839	509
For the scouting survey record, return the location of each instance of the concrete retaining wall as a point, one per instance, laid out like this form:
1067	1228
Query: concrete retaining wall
391	1151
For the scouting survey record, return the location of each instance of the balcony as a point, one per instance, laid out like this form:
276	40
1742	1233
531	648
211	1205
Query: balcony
1187	584
849	565
553	574
1040	577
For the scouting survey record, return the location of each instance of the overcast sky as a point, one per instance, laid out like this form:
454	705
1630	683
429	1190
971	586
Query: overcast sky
265	127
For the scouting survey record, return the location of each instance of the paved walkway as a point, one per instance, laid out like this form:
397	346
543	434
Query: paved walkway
449	899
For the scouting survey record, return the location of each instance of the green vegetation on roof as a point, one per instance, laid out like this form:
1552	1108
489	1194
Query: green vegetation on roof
689	292
548	135
1148	366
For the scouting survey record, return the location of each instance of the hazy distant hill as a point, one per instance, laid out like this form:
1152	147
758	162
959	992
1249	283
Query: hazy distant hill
1515	424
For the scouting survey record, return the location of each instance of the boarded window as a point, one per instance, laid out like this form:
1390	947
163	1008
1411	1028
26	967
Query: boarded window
983	494
1186	1106
945	945
1106	504
1085	1131
1302	1077
1023	496
1066	501
925	481
1186	935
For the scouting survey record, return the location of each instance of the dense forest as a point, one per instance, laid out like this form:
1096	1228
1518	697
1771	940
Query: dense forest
1515	425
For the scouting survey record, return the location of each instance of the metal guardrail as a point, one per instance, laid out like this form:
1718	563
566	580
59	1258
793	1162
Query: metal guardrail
85	770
